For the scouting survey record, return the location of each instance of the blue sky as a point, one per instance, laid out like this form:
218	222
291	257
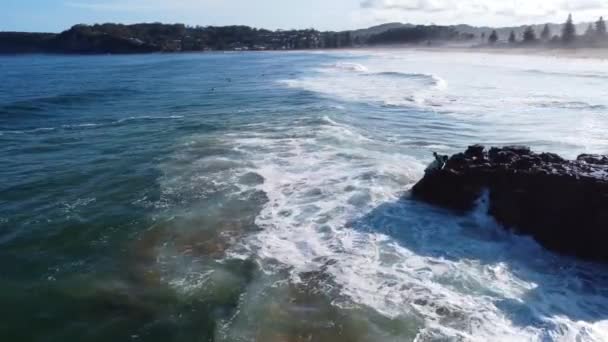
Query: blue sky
56	15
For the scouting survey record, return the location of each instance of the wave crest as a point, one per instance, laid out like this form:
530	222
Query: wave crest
356	67
431	79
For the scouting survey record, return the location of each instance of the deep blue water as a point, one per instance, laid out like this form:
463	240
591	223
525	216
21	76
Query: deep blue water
260	197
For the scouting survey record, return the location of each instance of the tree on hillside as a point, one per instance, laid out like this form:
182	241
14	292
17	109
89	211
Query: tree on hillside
529	35
512	38
493	37
590	32
600	27
569	31
546	33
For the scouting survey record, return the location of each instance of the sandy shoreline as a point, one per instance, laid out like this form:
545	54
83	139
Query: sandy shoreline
599	53
583	53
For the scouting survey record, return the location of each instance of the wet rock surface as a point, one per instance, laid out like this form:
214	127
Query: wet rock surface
562	203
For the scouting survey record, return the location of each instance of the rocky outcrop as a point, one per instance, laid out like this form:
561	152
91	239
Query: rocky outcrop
562	203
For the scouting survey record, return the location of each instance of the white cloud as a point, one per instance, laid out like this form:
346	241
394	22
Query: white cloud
480	12
515	7
577	5
411	5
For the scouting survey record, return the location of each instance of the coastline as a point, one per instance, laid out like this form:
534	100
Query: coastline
573	53
584	53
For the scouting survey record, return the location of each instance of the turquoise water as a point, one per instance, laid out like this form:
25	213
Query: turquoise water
263	197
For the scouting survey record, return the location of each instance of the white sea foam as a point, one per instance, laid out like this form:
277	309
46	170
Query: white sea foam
334	203
355	82
35	130
350	67
84	125
493	92
147	117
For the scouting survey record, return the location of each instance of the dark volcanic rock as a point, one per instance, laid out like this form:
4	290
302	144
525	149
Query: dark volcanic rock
562	203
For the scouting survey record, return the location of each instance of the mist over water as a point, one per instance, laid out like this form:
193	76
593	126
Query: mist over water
264	197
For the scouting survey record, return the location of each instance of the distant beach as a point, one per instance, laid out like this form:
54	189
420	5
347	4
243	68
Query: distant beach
582	53
585	53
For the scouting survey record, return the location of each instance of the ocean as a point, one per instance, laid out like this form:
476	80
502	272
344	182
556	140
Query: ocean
264	197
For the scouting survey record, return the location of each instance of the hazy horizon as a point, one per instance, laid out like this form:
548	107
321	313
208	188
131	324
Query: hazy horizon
577	23
338	15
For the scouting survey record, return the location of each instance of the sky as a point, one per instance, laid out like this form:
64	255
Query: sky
57	15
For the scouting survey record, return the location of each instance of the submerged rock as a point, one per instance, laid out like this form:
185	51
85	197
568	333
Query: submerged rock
562	203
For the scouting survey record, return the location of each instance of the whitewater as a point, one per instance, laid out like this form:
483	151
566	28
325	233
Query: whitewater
280	209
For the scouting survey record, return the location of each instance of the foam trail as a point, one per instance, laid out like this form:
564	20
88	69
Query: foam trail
334	203
387	88
356	67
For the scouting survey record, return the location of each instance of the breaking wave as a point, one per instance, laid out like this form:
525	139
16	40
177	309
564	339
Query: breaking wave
599	76
433	80
387	88
337	202
356	67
